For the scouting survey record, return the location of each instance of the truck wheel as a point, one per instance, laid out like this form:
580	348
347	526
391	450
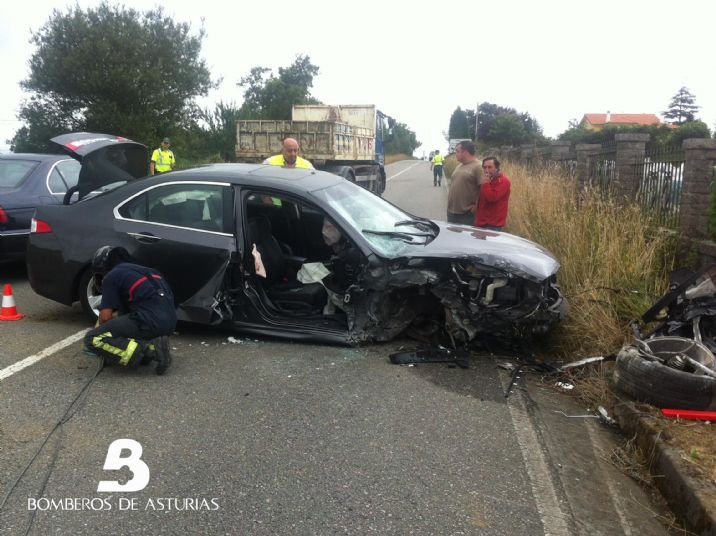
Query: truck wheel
381	182
348	173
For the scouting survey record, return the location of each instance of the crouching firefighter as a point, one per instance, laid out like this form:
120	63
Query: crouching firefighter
144	303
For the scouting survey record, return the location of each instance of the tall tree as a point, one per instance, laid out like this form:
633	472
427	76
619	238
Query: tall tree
500	125
216	137
400	140
111	69
682	107
507	130
267	96
459	126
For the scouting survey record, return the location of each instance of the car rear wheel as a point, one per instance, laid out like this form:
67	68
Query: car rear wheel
90	296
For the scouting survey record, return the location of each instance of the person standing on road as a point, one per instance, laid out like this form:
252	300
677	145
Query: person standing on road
145	307
289	156
162	159
494	196
437	165
464	185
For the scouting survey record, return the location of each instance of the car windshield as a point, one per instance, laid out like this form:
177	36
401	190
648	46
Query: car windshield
390	230
13	172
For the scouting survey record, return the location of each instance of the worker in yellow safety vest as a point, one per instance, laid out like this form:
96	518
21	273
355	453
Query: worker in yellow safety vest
289	156
162	159
437	163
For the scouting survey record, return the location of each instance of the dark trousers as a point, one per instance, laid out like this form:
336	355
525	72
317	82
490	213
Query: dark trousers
463	219
437	174
491	227
121	341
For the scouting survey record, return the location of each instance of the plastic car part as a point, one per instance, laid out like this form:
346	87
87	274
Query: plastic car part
431	355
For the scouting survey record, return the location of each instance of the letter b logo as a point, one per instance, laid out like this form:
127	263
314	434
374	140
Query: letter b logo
115	462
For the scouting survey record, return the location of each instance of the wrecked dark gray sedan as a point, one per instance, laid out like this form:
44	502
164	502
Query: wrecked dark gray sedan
292	253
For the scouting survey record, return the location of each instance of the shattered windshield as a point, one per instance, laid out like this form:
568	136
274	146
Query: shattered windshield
390	230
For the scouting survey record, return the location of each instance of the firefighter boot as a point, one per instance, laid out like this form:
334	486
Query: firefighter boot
163	356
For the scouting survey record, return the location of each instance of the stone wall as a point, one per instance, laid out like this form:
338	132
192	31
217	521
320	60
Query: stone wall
697	182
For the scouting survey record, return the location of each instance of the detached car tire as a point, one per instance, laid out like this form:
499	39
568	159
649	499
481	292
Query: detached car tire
663	386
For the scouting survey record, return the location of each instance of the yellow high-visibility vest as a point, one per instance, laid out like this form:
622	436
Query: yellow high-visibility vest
438	160
278	160
163	160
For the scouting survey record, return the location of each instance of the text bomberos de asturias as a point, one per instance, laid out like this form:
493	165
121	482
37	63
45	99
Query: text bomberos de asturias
178	504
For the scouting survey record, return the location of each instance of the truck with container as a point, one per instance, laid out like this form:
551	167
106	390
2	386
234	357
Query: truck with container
343	139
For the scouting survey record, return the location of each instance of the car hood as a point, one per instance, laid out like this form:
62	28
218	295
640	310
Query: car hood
502	251
105	158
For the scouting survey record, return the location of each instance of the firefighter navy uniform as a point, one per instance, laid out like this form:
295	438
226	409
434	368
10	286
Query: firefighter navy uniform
145	304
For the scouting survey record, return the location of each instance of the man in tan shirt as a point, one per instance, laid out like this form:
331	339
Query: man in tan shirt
464	185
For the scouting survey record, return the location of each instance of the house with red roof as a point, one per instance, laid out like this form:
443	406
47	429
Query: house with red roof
599	121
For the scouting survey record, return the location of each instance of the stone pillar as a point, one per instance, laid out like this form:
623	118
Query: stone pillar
700	157
630	158
560	150
585	160
544	153
527	152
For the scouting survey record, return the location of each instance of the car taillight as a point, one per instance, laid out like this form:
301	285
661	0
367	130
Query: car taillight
3	215
39	226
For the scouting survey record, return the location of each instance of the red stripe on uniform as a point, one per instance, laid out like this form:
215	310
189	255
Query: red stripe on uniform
139	282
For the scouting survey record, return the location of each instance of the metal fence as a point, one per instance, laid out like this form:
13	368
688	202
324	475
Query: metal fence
603	166
661	176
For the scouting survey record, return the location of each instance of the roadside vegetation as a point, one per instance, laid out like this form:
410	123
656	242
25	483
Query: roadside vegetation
615	262
390	158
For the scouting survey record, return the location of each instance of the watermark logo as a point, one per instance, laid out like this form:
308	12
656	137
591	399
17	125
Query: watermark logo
114	462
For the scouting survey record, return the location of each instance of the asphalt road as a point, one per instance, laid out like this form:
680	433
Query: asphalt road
269	437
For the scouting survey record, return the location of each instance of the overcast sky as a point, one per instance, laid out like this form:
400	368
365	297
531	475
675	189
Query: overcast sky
556	60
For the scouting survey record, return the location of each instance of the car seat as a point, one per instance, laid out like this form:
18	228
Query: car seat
280	283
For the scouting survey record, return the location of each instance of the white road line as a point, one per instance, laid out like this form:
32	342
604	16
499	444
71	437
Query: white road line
554	520
600	452
31	360
401	172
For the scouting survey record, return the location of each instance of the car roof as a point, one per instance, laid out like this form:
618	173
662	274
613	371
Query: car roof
34	156
259	175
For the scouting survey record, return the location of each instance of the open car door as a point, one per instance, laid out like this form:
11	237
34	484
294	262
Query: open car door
105	159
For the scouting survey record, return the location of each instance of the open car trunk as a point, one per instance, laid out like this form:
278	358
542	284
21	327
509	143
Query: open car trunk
105	159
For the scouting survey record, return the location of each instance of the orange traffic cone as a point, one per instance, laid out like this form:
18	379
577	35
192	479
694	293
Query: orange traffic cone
9	311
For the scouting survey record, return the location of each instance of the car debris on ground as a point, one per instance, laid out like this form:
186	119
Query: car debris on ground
672	365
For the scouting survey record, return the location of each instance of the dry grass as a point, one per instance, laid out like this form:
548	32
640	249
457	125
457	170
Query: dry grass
390	158
615	263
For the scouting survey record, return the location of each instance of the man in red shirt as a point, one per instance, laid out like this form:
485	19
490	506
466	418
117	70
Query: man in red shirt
494	196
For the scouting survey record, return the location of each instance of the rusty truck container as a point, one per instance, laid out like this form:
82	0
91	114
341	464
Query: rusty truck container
340	139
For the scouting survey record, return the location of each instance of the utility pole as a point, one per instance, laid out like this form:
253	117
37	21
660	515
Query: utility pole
477	109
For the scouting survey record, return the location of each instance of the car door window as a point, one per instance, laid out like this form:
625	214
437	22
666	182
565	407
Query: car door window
205	207
64	176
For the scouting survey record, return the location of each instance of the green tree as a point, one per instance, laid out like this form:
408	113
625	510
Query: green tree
507	129
111	69
214	136
459	126
690	129
682	107
400	140
267	96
